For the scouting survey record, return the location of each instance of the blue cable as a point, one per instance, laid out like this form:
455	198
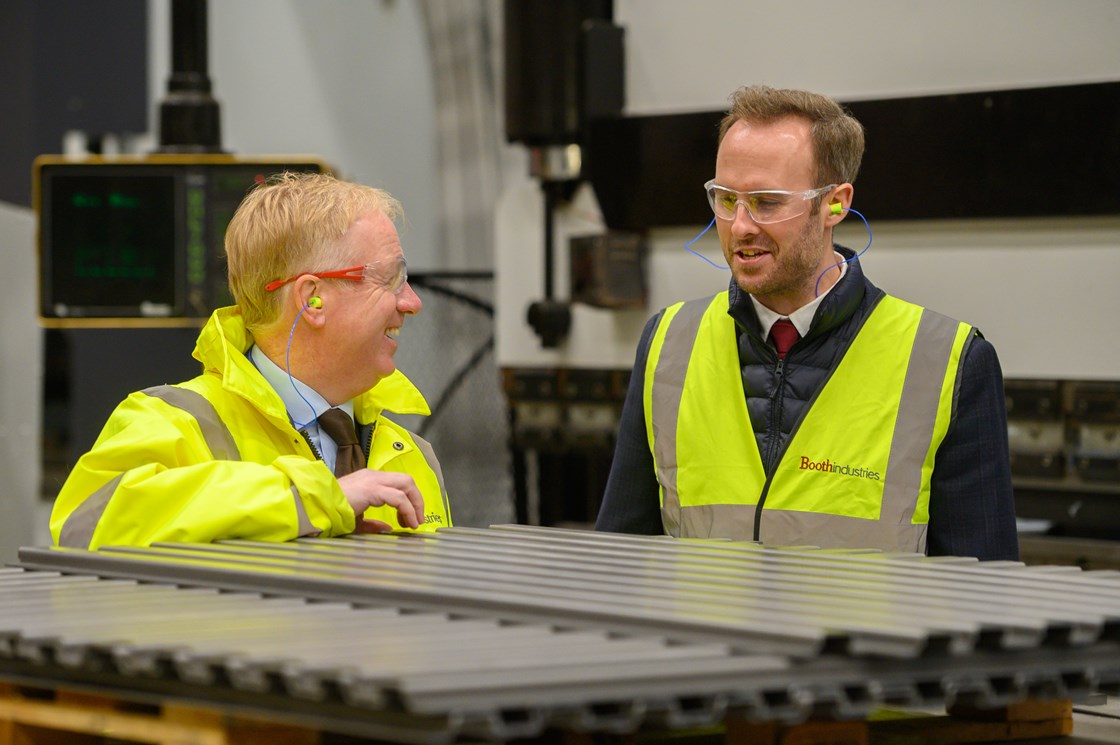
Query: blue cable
816	289
288	369
702	256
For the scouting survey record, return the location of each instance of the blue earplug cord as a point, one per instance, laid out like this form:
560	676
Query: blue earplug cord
816	289
288	369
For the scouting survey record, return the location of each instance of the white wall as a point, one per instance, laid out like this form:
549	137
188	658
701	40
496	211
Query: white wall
1018	281
1042	290
21	371
690	56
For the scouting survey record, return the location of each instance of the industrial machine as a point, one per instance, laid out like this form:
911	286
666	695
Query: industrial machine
131	252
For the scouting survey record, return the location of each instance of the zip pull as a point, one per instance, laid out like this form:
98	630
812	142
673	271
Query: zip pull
779	370
367	444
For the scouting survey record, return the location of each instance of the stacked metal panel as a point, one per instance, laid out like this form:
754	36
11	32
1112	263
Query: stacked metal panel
504	632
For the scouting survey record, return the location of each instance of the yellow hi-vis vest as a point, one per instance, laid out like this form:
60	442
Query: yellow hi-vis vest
856	470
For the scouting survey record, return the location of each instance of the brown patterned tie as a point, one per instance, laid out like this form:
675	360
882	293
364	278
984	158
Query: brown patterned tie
340	427
783	333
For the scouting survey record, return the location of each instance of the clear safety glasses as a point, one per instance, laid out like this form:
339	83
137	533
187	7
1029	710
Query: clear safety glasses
764	207
391	275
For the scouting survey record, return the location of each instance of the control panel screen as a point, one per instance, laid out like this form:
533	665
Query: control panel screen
140	241
113	240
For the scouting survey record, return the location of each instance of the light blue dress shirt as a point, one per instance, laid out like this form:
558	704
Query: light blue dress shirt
303	403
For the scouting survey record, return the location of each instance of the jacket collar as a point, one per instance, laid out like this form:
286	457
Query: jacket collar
221	349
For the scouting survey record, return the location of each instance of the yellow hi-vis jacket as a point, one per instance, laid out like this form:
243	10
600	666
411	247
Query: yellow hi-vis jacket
856	469
217	457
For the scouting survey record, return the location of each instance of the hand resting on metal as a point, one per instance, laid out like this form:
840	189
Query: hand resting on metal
367	488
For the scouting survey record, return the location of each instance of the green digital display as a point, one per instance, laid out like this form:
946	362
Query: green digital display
113	242
139	239
113	200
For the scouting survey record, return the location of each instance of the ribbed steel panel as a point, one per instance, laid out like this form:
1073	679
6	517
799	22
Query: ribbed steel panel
504	631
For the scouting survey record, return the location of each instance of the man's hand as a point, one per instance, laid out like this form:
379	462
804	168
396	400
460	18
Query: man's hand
367	488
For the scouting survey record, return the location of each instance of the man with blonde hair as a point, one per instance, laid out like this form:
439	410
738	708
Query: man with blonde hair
284	433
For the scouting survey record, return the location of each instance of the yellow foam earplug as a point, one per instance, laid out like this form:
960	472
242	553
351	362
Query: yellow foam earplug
315	302
836	208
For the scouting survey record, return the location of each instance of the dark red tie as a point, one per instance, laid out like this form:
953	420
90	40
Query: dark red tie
340	427
783	334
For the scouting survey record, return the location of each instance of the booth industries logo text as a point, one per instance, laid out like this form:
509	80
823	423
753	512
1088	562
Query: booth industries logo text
828	466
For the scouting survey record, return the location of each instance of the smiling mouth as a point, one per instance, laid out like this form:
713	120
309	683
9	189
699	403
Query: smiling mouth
393	332
750	253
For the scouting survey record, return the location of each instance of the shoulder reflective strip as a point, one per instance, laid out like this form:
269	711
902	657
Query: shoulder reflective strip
304	525
668	385
214	430
79	527
917	415
429	454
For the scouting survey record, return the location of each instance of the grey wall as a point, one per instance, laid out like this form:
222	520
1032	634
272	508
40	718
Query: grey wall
68	64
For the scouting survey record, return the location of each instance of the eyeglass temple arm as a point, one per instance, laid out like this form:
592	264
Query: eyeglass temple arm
336	274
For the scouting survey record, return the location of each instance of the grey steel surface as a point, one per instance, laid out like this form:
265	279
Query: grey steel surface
502	632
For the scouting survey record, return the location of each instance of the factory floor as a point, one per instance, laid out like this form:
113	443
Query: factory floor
1093	725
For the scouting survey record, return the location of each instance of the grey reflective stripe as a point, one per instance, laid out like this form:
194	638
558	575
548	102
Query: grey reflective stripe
668	385
429	454
731	521
917	417
214	431
304	525
79	527
790	527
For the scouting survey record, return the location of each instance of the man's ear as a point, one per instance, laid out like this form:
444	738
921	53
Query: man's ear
307	296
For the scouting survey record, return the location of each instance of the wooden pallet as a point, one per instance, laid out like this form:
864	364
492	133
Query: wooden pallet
33	716
1026	720
1020	721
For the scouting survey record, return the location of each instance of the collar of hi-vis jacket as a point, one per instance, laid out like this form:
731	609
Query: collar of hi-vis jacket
221	348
